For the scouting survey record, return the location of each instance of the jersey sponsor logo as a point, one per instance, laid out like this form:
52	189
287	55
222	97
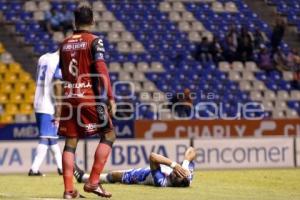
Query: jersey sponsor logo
74	46
77	85
99	47
90	127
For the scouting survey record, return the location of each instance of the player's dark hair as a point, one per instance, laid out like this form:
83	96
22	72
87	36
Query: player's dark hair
180	182
83	15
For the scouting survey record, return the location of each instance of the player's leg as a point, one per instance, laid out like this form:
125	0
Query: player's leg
111	177
69	129
80	175
187	163
47	130
56	153
68	163
39	158
102	152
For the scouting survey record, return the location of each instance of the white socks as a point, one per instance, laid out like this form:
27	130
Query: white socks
103	178
185	164
41	153
57	155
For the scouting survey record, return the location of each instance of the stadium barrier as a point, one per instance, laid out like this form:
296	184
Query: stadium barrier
244	153
297	151
269	152
17	156
29	131
149	129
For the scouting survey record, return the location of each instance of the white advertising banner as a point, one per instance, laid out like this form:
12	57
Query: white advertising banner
298	151
244	153
17	156
127	154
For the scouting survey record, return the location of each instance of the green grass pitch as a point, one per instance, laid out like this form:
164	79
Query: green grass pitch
277	184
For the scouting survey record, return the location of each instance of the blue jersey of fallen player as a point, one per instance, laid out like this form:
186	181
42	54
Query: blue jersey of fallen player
159	177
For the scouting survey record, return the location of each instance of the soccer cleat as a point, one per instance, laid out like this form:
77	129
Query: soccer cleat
96	189
59	171
38	173
72	195
78	173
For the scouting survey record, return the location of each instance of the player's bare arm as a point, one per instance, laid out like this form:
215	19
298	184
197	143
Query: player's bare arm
58	92
101	69
190	154
156	160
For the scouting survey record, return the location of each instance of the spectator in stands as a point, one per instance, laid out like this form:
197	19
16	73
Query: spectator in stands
203	51
216	50
296	81
182	103
53	20
229	47
58	20
233	34
259	39
67	20
279	59
293	60
277	34
264	59
245	46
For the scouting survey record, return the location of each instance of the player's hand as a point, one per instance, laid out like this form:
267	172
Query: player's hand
112	108
190	154
180	171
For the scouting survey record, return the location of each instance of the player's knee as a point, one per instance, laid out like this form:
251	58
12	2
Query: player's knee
71	144
69	149
109	138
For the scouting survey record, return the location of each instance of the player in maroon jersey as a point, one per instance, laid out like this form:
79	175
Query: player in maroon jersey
87	91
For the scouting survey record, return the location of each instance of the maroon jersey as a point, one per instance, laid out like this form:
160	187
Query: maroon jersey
83	69
86	88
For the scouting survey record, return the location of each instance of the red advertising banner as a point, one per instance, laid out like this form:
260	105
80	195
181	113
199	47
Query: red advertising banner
215	128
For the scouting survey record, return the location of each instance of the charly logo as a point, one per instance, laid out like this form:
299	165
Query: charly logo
158	127
265	126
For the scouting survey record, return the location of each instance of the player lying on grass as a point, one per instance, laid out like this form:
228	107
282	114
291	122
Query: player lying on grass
163	172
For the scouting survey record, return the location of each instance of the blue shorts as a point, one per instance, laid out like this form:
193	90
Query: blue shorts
136	176
45	125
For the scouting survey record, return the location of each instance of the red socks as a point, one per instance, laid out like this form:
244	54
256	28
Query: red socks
68	165
102	152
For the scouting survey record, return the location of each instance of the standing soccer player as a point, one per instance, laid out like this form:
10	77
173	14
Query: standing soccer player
47	73
87	91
